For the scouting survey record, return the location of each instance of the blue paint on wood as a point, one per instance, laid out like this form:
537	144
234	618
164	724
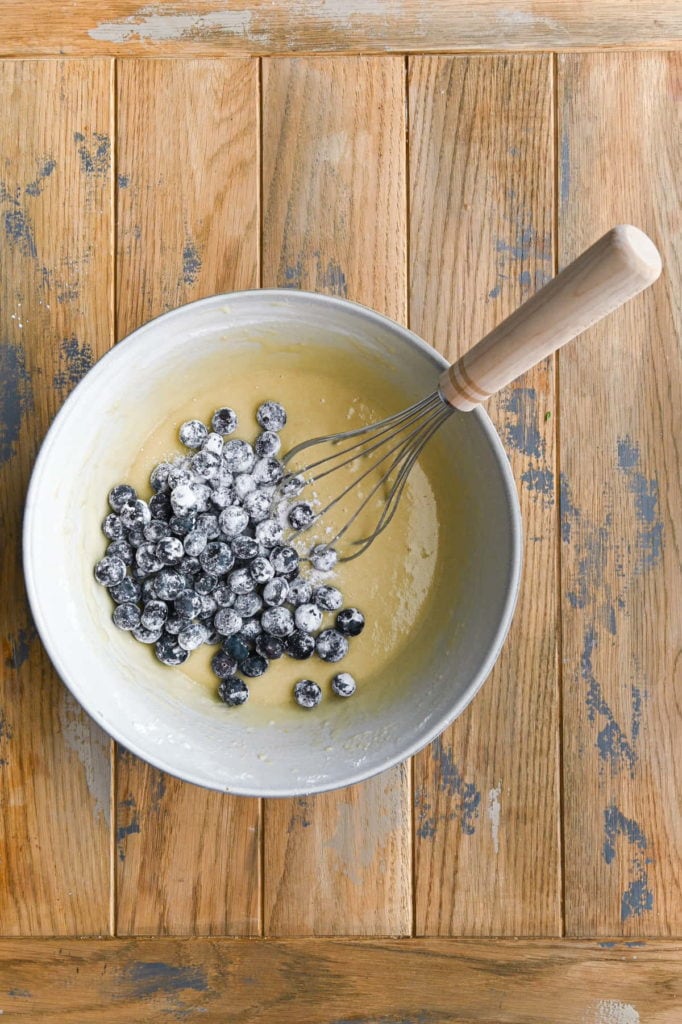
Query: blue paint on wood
6	734
94	151
131	829
20	647
16	397
525	280
47	166
494	292
74	362
191	262
300	818
151	977
521	429
451	782
607	945
332	278
541	480
569	513
614	746
616	824
649	539
628	453
637	897
123	181
19	231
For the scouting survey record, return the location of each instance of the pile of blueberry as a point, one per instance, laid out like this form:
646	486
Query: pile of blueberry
205	562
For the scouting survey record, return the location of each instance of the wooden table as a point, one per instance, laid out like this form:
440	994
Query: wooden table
527	865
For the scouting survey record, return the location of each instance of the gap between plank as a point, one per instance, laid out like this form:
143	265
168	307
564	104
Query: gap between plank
113	128
259	262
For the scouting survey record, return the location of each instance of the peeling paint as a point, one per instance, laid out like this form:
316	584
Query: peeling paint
94	151
638	897
74	362
191	262
521	430
47	166
91	746
18	646
16	397
540	481
6	734
464	796
611	1011
151	977
494	811
129	805
19	231
614	747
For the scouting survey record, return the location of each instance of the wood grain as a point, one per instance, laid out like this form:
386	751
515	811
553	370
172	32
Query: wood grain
487	791
620	131
334	221
187	201
323	981
288	26
55	292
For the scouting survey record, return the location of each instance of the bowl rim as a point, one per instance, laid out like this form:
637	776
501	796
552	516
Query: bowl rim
31	525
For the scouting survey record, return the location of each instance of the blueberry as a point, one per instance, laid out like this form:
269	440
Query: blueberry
149	589
209	606
307	693
269	533
213	444
160	506
275	592
323	557
238	456
110	570
205	583
135	513
237	645
112	527
156	530
245	548
154	614
208	524
253	665
187	604
223	664
300	591
270	646
224	596
121	549
261	569
233	691
147	559
268	470
168	584
257	505
144	635
291	485
216	558
194	542
174	623
343	684
224	421
128	590
300	645
233	521
301	516
248	605
184	499
277	621
183	524
121	495
240	581
203	493
331	645
271	416
222	496
244	484
328	598
170	550
193	433
191	567
350	622
179	473
158	477
205	464
251	630
308	617
284	560
136	535
267	444
169	651
126	616
192	636
227	621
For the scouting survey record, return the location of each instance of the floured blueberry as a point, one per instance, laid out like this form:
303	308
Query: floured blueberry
284	560
268	470
208	523
194	542
147	559
184	499
271	416
269	533
350	621
110	570
300	591
222	496
224	596
112	527
154	614
168	584
257	504
192	636
300	645
169	651
156	530
126	591
158	477
248	605
267	444
238	646
343	684
261	569
126	616
121	495
187	604
308	617
213	444
223	664
291	485
253	665
224	421
238	456
160	506
227	621
216	558
251	630
270	646
205	583
241	581
170	550
301	516
174	623
331	645
209	606
205	464
307	693
233	520
181	525
121	549
233	691
144	635
193	433
135	513
323	557
244	548
244	484
277	621
275	592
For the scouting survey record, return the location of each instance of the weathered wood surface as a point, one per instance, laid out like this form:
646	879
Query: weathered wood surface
481	207
55	320
333	150
193	27
323	981
187	162
620	144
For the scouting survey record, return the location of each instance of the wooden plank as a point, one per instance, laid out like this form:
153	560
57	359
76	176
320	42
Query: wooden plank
323	981
55	294
334	221
187	202
486	793
131	27
620	132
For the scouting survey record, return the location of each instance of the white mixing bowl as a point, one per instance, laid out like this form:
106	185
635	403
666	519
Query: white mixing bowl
162	715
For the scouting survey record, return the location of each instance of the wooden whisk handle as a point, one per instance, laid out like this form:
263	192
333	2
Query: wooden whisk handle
620	264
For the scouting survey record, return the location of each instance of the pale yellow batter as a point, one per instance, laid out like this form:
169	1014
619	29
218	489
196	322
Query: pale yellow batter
398	582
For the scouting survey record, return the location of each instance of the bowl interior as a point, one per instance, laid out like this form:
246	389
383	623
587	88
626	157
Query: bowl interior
163	715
